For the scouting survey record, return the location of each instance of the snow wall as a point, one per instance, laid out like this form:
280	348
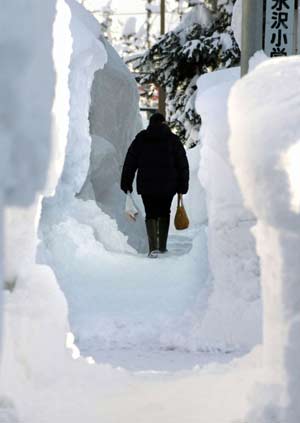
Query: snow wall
31	82
58	54
233	317
58	70
114	122
101	128
265	151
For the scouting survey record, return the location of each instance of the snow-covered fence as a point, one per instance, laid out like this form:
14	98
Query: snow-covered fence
264	110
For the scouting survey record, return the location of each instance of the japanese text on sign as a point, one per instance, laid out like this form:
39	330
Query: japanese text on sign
279	35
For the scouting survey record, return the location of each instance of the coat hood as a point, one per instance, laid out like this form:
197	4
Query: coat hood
158	131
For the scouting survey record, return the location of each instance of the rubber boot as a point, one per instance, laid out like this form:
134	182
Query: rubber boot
152	229
163	230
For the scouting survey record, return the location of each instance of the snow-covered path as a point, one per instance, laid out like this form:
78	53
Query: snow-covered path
130	311
157	361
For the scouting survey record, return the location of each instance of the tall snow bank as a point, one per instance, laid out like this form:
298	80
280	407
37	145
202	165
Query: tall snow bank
88	56
27	85
114	113
24	125
25	161
264	112
41	371
24	112
21	223
114	122
104	119
232	319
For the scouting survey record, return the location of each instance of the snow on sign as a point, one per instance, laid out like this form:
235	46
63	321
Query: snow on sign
279	35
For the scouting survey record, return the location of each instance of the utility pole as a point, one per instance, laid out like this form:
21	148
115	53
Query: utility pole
252	31
296	25
161	91
162	16
148	23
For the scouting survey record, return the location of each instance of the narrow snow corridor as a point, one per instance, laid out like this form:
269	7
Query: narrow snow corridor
166	315
119	301
129	311
94	331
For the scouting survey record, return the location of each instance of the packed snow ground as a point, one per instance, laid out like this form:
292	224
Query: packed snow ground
129	311
126	301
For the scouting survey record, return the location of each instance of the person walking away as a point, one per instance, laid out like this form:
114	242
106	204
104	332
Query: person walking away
162	168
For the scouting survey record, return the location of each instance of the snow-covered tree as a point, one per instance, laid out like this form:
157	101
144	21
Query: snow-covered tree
129	36
148	22
106	21
132	43
201	43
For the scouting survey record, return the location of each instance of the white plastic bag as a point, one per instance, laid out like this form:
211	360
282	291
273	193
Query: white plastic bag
130	208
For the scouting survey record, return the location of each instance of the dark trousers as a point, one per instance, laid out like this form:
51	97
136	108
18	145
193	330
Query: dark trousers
157	205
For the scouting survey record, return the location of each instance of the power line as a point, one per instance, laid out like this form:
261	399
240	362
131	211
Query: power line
127	13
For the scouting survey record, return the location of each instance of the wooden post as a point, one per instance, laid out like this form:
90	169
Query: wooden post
252	31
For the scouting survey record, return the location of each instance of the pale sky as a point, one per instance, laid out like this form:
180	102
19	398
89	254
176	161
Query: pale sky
129	6
122	6
126	8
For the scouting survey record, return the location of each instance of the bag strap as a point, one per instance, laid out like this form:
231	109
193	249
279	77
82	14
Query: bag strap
179	200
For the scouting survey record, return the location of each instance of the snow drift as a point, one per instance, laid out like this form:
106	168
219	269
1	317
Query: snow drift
264	148
34	149
233	317
26	146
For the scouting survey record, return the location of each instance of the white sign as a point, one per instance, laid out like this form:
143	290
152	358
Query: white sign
279	34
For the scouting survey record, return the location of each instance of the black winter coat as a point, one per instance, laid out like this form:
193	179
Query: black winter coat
160	159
